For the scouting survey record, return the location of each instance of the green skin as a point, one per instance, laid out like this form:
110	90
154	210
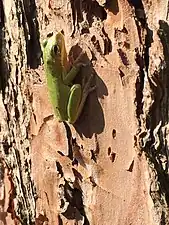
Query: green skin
67	99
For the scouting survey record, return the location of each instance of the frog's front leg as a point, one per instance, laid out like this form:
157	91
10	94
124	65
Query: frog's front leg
77	64
69	77
77	100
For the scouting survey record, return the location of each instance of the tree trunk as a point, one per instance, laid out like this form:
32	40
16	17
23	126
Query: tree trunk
111	166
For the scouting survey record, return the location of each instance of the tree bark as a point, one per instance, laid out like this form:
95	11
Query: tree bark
111	167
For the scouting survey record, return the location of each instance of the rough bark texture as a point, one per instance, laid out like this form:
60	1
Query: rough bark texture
111	167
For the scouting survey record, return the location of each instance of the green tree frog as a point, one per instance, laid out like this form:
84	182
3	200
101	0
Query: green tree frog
67	99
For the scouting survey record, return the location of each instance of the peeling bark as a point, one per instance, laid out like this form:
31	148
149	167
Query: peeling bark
111	167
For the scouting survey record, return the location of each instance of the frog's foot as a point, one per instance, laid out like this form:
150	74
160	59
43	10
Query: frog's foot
86	82
71	57
92	89
78	62
78	95
86	86
80	56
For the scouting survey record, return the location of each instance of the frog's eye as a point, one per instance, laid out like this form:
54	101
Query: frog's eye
55	49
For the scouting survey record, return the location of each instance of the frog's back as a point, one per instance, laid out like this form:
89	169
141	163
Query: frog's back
58	95
55	58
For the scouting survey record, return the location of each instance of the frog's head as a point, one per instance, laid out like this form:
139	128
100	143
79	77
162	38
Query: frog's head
54	50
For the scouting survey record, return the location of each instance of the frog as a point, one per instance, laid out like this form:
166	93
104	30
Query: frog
67	99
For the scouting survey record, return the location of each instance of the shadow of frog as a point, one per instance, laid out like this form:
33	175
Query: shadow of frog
91	120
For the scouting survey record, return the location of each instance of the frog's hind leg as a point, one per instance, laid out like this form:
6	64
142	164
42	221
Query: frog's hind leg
77	99
74	102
